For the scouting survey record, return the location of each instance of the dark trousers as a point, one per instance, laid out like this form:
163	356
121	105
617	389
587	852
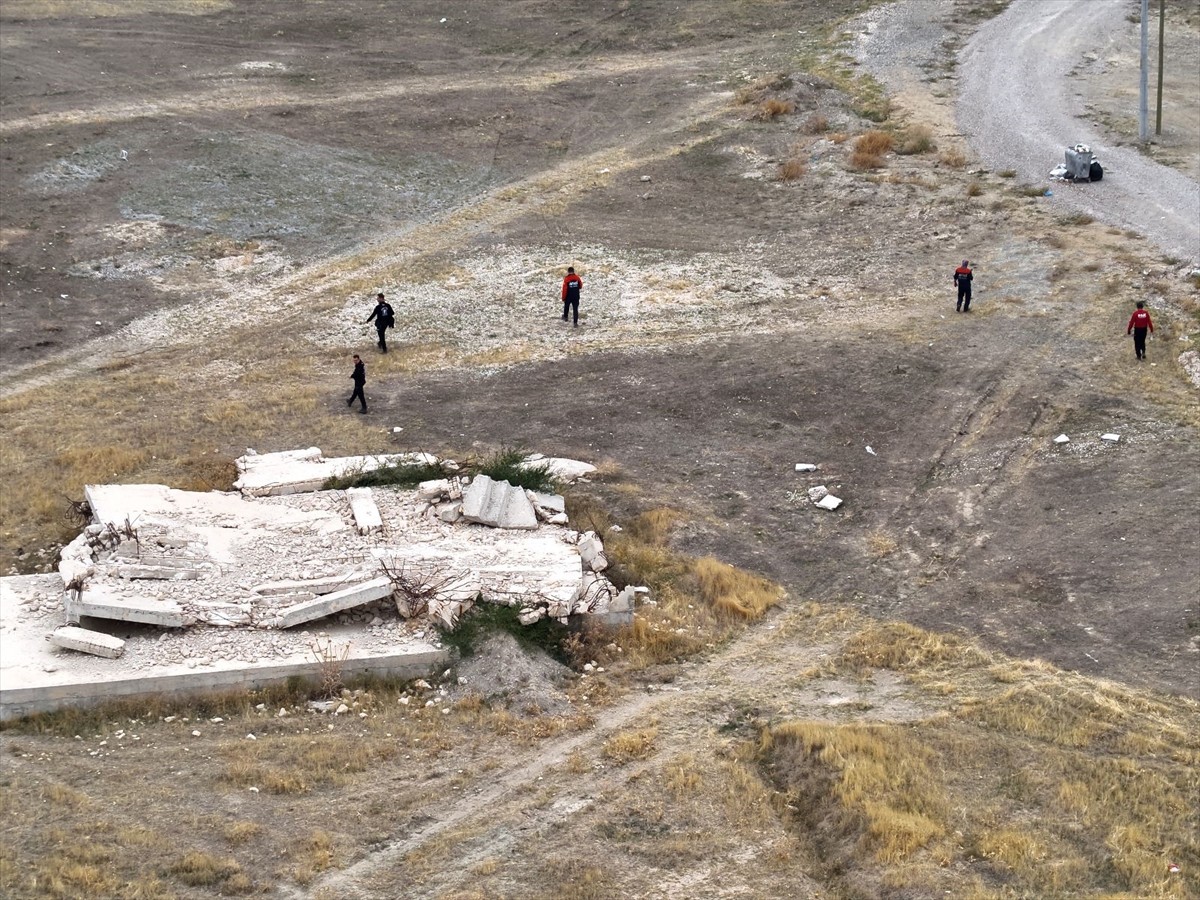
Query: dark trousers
1139	342
382	337
358	395
570	305
964	296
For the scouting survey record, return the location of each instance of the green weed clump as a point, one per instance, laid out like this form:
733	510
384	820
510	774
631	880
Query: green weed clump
402	474
508	464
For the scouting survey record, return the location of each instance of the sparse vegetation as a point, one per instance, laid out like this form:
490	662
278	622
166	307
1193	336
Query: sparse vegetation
915	139
815	123
953	158
792	170
627	746
773	108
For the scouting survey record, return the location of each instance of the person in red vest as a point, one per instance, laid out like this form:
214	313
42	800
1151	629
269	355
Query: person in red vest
1139	324
962	278
571	287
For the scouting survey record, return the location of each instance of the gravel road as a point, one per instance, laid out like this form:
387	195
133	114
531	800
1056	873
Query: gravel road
1020	110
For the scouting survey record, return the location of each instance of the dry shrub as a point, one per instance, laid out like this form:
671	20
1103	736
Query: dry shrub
200	869
881	544
916	139
98	464
792	169
953	158
734	593
682	775
875	142
240	832
860	161
773	108
974	189
626	746
839	137
816	123
313	856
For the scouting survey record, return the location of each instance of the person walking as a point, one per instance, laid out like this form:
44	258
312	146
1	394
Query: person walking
1139	324
962	278
359	377
571	287
384	319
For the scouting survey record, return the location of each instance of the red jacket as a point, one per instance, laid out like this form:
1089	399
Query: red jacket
571	285
1140	319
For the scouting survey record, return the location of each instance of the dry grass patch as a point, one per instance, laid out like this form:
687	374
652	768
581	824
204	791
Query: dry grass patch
200	869
815	123
903	647
313	855
735	593
240	832
881	544
627	746
773	108
869	150
915	139
974	189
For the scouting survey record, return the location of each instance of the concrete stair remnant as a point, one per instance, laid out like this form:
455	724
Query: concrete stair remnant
498	504
97	643
365	511
348	598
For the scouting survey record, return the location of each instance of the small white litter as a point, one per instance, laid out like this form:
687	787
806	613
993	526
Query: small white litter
829	502
1110	437
872	452
805	467
1062	439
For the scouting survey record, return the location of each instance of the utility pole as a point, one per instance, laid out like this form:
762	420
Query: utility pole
1162	26
1143	127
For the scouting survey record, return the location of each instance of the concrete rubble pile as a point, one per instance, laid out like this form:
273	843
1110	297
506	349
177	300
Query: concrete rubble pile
282	552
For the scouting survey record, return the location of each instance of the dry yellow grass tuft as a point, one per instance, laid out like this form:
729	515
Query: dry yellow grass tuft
773	108
874	142
881	544
953	158
792	170
735	593
904	647
816	123
627	746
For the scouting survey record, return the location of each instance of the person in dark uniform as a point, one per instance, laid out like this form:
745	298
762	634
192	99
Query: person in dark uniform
571	287
359	377
962	278
384	319
1139	324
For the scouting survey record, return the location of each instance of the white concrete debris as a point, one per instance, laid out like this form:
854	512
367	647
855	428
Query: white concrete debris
1062	439
591	552
497	503
817	493
292	471
829	502
567	470
100	605
347	598
94	642
806	467
1110	437
365	512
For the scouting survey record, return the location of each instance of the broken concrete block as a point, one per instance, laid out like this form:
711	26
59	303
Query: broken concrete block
563	469
450	512
817	493
829	502
1062	439
434	490
448	612
252	460
163	613
591	552
1110	437
348	598
805	467
499	504
624	601
529	616
96	643
312	585
364	509
558	519
548	506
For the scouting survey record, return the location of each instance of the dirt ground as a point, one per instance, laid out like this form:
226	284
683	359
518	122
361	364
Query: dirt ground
205	196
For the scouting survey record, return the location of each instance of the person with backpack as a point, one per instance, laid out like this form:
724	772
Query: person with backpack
384	319
571	287
1139	324
962	278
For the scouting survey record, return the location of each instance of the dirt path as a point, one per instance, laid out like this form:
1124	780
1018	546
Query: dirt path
1020	110
736	677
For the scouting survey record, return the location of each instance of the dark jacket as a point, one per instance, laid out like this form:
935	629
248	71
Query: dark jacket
962	276
383	311
359	375
570	288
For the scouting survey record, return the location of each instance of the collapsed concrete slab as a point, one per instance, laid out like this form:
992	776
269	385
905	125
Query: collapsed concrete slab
84	640
97	604
591	552
365	511
279	474
311	585
359	594
497	503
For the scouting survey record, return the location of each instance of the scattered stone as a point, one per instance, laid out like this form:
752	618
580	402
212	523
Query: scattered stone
1062	439
499	504
806	467
817	493
1110	437
829	502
